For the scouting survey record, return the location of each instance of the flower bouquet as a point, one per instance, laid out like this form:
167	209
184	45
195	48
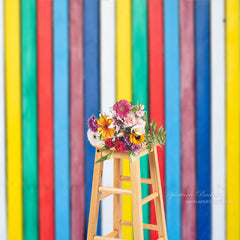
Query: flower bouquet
126	129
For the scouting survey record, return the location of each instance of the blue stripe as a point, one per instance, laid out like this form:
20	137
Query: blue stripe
202	58
61	120
172	118
91	85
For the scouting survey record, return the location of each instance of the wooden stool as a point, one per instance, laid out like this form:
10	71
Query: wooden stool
99	192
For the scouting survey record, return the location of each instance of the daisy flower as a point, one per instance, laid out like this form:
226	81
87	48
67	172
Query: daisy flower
104	126
94	138
122	108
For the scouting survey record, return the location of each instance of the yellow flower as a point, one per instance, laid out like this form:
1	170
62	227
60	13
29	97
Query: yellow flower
137	139
104	122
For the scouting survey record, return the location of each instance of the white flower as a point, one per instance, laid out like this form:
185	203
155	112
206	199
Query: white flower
94	138
138	129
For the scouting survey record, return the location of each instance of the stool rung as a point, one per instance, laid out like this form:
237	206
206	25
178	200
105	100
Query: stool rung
106	238
143	180
149	197
104	195
112	234
145	225
115	190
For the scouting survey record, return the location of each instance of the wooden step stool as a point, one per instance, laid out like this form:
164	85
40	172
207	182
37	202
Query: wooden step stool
99	192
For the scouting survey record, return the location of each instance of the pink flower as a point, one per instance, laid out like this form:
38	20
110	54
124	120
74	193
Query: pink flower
130	120
122	108
140	113
141	122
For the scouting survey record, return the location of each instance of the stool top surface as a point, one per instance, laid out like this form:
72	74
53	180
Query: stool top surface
123	155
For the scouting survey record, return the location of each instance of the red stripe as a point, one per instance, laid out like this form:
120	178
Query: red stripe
188	120
77	121
45	120
156	85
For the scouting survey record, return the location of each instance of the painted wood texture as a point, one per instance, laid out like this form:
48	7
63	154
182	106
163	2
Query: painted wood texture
232	120
77	119
203	140
140	81
3	197
108	85
188	164
91	88
173	118
218	111
61	119
13	119
45	120
124	87
156	83
29	119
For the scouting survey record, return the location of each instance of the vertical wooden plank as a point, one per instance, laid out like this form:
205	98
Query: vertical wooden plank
124	87
91	89
136	199
188	167
173	118
117	198
77	120
29	119
203	140
61	119
3	197
218	153
13	119
108	84
140	80
45	119
232	120
95	200
156	83
158	201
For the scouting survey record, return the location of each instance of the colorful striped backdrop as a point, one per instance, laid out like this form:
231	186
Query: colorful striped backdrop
63	60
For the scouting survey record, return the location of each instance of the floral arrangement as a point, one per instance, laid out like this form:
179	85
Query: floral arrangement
126	129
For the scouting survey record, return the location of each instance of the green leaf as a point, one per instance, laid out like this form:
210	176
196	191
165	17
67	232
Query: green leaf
155	127
152	123
104	148
106	157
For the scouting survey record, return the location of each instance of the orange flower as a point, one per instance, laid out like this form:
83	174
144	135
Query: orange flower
104	122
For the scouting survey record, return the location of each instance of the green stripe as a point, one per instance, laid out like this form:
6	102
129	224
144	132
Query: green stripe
140	80
29	119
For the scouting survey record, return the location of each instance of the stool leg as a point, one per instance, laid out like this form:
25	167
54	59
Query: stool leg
95	198
117	198
136	199
158	202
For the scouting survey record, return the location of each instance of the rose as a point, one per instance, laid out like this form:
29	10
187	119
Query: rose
141	122
130	120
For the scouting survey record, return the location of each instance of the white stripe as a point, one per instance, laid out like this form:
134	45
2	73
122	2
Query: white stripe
107	61
218	118
3	222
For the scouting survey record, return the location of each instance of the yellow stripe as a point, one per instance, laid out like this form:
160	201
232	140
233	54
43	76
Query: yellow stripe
13	111
232	68
124	87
